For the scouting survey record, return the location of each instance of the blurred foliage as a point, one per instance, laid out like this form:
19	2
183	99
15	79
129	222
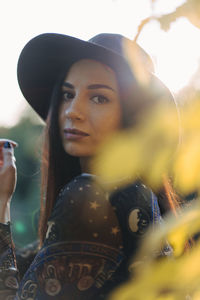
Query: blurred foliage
145	151
189	10
25	203
153	148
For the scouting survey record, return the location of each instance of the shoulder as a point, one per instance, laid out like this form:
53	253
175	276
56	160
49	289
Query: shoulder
78	192
83	212
136	195
136	207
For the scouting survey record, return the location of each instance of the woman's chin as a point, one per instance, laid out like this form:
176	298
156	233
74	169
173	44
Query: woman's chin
78	152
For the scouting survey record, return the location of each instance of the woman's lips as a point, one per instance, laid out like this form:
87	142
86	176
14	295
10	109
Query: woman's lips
74	134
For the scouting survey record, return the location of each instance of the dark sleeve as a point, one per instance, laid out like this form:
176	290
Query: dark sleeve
82	249
8	269
25	256
137	208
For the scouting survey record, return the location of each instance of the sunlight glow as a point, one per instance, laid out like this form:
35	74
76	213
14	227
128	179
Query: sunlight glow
165	7
176	53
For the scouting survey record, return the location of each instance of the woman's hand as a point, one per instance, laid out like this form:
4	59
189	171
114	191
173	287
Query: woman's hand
8	177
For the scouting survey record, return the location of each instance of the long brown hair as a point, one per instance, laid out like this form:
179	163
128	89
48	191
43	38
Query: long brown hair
57	167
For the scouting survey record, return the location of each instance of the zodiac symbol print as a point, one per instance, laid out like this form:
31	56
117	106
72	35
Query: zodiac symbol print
82	272
52	284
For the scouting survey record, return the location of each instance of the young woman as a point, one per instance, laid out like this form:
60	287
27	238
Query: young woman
85	92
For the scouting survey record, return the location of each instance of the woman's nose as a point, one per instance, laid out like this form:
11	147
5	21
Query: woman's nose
75	110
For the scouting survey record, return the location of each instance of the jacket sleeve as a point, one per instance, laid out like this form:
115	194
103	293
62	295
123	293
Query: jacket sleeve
9	281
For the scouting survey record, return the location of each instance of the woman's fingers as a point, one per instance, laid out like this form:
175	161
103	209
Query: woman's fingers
7	151
8	154
3	141
8	174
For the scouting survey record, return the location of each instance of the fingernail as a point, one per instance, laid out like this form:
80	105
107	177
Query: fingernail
7	145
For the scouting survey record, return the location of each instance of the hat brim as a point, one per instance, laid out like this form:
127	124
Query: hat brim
44	58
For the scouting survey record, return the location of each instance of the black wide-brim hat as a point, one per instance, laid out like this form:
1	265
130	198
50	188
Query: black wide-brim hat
46	56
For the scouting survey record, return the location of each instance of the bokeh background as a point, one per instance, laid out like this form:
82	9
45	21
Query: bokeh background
167	29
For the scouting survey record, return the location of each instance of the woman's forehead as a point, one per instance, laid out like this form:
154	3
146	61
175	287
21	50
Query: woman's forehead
91	70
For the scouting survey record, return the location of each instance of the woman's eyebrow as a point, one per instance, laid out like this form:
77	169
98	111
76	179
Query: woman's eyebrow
100	86
69	85
91	86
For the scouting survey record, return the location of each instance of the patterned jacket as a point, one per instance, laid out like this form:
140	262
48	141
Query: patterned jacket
91	237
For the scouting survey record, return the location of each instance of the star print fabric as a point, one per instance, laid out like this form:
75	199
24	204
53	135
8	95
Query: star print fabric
90	239
82	249
84	203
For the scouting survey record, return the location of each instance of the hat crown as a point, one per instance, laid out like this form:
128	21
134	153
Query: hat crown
113	42
117	43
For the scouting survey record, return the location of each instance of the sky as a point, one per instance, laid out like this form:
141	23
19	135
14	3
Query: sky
175	53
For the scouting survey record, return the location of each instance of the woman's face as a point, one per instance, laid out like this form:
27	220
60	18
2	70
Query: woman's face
90	107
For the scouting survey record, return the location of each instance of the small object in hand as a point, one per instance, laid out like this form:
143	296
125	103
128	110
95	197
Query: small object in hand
7	145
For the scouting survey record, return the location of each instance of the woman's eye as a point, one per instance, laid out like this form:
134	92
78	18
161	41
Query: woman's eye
99	99
67	96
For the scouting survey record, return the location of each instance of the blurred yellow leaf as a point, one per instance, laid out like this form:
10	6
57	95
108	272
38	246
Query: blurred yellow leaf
187	163
150	149
190	10
145	151
176	230
116	160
